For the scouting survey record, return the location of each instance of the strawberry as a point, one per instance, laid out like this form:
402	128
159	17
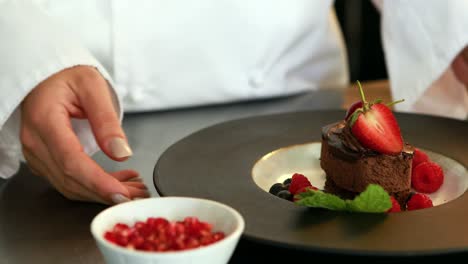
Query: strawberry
375	126
395	206
427	177
353	108
418	201
419	157
298	181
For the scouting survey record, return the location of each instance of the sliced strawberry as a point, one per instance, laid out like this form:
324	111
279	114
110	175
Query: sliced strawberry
376	128
352	109
298	181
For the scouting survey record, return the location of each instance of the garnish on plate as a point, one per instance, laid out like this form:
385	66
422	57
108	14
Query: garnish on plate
373	200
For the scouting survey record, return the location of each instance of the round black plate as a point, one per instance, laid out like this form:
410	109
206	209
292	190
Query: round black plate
216	163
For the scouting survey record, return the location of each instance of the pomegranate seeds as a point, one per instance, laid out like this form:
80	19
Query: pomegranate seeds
159	234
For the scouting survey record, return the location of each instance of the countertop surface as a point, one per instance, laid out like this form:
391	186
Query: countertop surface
38	225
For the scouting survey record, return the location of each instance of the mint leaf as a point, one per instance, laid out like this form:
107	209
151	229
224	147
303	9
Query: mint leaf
320	199
373	200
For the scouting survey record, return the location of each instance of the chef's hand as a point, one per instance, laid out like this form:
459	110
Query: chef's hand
460	67
52	149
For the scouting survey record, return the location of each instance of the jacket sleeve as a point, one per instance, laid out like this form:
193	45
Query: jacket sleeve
421	38
32	48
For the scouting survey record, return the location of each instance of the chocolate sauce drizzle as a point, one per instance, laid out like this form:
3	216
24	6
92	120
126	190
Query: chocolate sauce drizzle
339	136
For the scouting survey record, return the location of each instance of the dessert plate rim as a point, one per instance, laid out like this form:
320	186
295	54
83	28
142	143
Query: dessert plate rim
216	162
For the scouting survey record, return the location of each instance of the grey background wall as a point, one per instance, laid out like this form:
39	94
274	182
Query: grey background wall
360	22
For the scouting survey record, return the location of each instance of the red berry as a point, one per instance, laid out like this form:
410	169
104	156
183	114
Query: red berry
156	223
119	227
136	242
395	206
110	236
158	234
375	127
353	108
419	201
304	189
427	177
298	181
419	157
218	236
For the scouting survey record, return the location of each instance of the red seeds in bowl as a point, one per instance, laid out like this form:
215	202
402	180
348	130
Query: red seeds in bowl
159	234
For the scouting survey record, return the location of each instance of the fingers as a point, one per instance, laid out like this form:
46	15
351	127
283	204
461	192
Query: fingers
460	67
129	178
52	149
96	101
137	192
69	157
46	167
465	54
138	185
126	175
35	165
74	188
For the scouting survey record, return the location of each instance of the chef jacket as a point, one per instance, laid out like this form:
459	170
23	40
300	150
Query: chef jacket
160	54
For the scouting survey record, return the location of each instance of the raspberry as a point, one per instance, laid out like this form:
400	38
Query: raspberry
395	206
427	177
304	189
298	181
418	201
419	157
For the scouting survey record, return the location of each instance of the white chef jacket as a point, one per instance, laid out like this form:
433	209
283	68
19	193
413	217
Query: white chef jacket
165	54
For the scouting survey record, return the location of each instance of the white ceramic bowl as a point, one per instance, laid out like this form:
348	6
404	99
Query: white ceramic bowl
222	217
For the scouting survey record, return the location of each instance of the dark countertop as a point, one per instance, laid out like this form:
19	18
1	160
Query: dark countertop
38	225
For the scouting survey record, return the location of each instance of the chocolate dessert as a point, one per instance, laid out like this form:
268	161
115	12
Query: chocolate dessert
350	167
368	166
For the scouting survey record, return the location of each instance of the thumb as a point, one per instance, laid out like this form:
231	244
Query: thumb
460	67
96	101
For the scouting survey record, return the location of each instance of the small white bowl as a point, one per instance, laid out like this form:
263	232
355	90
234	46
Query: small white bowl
222	217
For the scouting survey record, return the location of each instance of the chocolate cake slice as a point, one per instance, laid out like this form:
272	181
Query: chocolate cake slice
350	167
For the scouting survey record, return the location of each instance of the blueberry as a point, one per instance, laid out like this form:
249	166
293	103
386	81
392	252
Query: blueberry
276	188
284	194
287	181
286	186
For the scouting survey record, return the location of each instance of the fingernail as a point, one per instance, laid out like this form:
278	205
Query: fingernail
136	179
144	194
118	198
119	148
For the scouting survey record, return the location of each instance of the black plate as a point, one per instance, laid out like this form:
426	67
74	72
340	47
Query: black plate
216	163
